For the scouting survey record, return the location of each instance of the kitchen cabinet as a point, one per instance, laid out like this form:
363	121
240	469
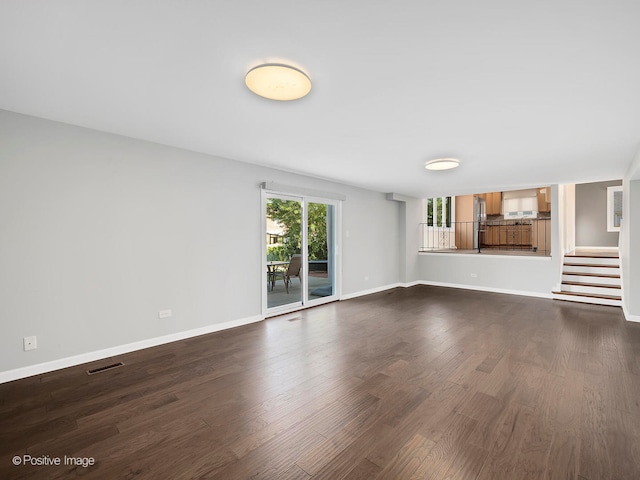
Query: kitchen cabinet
493	202
544	199
491	236
530	234
508	235
541	235
519	235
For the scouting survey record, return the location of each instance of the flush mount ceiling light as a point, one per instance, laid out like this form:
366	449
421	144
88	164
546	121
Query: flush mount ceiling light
278	82
442	164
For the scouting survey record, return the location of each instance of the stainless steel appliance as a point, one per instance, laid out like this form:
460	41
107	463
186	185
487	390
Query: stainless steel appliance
479	219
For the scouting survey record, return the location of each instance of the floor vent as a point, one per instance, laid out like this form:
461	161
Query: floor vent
294	319
105	368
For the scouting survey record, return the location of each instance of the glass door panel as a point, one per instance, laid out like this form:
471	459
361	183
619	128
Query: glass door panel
284	251
321	268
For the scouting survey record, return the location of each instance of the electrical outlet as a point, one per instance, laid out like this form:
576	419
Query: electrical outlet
164	313
474	275
30	343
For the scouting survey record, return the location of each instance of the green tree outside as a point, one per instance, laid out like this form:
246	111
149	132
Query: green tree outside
287	213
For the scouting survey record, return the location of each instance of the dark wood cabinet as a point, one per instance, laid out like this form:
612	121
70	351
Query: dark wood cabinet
508	235
491	236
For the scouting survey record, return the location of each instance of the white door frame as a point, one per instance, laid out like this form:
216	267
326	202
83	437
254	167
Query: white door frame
337	261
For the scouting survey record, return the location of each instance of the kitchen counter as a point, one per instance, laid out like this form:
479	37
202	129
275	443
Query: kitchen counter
521	234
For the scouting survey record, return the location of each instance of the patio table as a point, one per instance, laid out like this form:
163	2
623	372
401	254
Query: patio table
273	267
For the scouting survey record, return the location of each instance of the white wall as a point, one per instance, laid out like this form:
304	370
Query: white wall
98	232
632	271
411	215
414	212
536	276
567	217
630	241
591	215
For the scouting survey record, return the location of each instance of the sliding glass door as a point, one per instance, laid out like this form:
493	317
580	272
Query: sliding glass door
320	251
284	251
300	262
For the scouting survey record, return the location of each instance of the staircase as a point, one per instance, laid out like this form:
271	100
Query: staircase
591	278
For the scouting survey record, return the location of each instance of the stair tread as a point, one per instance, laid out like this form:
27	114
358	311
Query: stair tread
591	256
587	302
589	295
600	265
584	274
597	285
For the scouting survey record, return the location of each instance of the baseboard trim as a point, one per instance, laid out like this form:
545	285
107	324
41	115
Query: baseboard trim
627	316
24	372
486	289
448	285
362	293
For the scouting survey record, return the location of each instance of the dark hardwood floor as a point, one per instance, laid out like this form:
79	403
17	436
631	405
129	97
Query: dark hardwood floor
424	382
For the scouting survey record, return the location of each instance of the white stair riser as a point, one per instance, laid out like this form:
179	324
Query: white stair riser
588	279
592	290
598	270
597	266
589	260
594	301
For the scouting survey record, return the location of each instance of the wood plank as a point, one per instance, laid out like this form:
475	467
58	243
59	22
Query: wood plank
467	464
353	456
449	446
408	459
321	455
365	470
500	463
595	461
430	382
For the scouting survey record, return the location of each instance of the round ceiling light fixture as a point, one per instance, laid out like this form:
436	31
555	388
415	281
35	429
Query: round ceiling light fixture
442	164
278	82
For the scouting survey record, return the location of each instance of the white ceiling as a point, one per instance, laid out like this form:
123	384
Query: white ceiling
524	93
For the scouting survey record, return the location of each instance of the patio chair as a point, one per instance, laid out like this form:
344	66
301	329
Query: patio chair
293	270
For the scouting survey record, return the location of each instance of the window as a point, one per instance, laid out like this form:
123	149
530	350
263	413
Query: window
274	239
438	231
439	212
614	208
